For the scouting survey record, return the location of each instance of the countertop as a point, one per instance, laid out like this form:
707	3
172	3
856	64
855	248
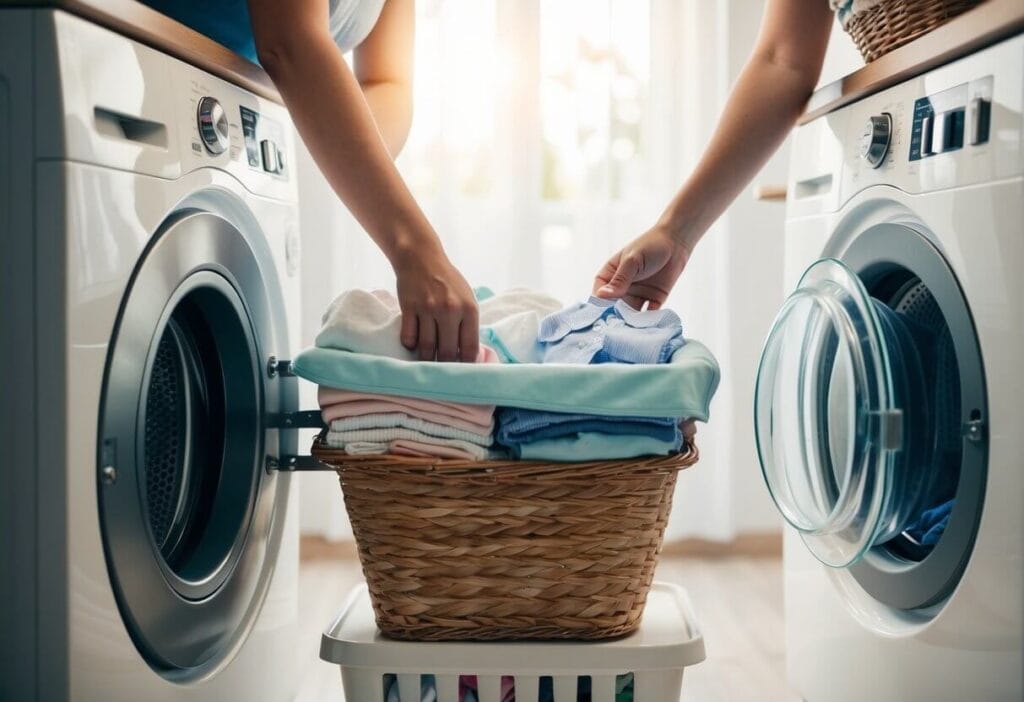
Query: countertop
986	24
147	26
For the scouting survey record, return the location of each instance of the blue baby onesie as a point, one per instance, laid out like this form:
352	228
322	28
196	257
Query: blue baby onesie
603	331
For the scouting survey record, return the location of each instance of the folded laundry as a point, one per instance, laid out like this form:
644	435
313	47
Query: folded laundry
518	426
404	421
341	439
602	331
594	446
418	449
370	322
340	404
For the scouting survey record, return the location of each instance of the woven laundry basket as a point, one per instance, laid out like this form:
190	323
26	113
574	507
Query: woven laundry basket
893	23
461	550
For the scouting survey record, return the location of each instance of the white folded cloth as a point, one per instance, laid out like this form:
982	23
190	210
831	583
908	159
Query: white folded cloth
386	439
404	421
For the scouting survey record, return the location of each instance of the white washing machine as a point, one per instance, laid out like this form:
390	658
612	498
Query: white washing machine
890	397
150	236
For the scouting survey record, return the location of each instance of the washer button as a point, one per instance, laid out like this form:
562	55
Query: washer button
270	162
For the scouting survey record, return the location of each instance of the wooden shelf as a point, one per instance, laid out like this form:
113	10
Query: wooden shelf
986	24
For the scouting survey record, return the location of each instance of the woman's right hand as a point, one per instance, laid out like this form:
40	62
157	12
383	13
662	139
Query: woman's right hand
440	318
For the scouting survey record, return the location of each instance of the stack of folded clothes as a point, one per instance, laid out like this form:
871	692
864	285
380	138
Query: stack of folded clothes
369	423
596	332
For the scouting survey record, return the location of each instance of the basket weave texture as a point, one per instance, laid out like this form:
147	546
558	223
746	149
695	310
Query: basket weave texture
893	23
459	550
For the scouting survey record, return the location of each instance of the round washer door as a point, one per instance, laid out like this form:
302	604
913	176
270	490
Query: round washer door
191	523
869	417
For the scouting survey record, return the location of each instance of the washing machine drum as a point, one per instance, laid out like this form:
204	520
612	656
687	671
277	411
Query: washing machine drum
869	416
187	511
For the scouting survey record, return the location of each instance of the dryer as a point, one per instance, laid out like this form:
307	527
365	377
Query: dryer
150	252
890	394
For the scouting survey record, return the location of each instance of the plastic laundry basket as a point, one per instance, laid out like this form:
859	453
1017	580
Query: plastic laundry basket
667	641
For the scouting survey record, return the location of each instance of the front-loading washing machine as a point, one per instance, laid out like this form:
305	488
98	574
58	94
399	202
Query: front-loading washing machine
150	237
890	395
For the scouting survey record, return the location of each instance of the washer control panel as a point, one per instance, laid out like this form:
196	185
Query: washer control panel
263	141
951	119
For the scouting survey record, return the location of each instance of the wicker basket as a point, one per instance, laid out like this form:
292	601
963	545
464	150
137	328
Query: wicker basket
458	550
893	23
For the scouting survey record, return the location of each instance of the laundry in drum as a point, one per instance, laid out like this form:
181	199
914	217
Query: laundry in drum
597	380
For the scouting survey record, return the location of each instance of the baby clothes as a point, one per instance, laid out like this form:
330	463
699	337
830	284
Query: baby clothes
603	331
371	323
596	332
509	322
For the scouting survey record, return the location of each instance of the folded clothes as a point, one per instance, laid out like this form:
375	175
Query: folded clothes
605	331
518	426
594	446
342	439
404	421
371	323
419	449
340	404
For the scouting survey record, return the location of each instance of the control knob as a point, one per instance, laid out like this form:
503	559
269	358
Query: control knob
213	125
874	141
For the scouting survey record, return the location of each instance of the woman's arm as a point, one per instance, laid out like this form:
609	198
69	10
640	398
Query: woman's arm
439	313
768	97
383	67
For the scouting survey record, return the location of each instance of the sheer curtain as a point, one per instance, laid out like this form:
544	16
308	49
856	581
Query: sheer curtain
546	134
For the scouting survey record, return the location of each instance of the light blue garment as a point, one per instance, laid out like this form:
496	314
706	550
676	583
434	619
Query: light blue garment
518	426
602	331
594	446
681	388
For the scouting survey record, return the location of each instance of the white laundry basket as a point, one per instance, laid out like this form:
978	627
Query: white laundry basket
667	641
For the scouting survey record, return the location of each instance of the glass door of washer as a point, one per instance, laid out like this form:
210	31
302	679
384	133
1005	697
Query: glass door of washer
869	417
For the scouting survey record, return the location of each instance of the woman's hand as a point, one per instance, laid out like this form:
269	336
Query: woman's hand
644	270
439	312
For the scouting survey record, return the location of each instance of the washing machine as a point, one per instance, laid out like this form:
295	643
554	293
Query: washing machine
149	284
890	395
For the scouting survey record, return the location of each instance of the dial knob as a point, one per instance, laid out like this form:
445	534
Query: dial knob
874	141
213	125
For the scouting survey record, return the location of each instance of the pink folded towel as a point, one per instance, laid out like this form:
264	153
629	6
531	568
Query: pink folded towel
339	404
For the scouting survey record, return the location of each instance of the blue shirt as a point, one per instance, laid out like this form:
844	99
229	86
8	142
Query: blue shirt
225	21
603	331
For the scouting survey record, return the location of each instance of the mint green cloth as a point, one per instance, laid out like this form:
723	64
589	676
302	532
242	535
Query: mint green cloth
594	446
681	388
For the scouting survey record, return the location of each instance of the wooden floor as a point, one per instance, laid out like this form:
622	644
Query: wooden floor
738	599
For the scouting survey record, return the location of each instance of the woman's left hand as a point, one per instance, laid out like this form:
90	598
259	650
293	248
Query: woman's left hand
645	270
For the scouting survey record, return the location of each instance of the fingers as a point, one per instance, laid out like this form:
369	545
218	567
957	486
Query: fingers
427	341
604	275
409	335
469	336
626	272
448	322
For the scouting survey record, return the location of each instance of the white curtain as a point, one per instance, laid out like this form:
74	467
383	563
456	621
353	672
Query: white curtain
546	134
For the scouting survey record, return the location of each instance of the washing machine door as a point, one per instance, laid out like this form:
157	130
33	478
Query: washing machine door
830	418
191	521
869	417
